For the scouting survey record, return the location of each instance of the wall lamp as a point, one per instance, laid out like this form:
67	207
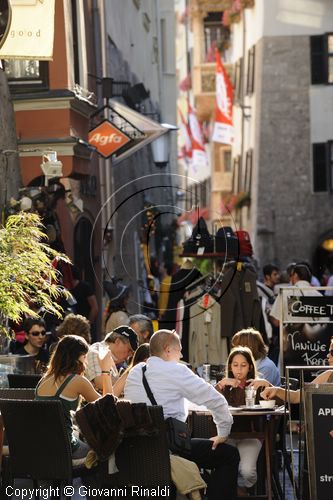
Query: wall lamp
161	146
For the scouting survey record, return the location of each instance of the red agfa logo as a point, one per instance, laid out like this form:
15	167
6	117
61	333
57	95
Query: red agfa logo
107	138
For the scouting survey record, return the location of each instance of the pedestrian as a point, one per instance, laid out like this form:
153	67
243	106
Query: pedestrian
115	313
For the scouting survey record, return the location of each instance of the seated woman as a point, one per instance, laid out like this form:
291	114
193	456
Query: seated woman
266	369
64	381
295	396
240	368
140	355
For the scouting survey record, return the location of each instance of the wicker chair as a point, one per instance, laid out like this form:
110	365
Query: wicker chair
41	455
141	460
13	393
16	380
202	426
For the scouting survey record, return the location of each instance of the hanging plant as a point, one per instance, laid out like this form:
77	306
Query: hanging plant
27	275
243	200
247	3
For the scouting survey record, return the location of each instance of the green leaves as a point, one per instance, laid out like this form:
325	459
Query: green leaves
27	276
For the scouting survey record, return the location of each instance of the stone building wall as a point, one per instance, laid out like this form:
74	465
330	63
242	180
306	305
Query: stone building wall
288	217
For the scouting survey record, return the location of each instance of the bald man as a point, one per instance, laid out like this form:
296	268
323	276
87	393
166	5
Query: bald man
172	383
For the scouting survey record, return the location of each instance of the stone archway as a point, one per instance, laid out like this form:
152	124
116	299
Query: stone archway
323	254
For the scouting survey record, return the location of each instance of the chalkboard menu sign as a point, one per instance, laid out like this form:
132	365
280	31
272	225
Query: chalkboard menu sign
319	437
306	329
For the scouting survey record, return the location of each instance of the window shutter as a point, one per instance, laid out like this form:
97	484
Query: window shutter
318	45
319	167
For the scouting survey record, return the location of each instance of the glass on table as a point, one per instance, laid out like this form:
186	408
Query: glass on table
250	396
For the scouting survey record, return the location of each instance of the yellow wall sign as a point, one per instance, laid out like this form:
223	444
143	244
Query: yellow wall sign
31	30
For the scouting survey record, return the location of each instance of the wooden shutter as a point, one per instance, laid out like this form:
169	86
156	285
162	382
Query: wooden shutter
318	45
319	167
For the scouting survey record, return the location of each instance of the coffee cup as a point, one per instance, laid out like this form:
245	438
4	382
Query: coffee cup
267	403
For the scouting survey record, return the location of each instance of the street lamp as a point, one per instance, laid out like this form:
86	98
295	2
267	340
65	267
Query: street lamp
161	146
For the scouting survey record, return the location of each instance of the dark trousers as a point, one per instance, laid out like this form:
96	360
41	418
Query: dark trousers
223	463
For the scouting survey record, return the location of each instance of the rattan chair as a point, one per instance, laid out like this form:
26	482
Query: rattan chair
42	454
141	460
16	380
14	393
202	426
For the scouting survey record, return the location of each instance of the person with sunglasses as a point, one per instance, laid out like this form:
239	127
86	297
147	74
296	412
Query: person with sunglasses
35	337
295	396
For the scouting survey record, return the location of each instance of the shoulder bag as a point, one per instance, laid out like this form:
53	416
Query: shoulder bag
178	434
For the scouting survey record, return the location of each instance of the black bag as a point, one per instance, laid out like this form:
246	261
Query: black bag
226	242
178	437
178	434
200	238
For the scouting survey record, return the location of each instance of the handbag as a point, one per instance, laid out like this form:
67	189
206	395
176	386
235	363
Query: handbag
178	434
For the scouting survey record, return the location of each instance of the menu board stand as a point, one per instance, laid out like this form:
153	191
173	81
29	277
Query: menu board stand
318	413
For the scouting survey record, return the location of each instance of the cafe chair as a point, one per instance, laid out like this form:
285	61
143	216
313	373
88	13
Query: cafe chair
293	383
14	393
16	380
44	454
141	460
202	426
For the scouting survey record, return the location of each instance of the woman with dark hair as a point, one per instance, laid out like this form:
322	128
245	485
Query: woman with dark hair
64	381
266	369
241	367
140	355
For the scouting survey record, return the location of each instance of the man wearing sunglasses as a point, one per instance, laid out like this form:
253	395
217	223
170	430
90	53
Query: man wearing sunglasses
35	336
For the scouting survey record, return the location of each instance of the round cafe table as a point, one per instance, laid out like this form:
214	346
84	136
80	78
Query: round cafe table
201	422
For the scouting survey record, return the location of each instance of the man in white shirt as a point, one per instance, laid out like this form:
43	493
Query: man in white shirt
173	384
300	277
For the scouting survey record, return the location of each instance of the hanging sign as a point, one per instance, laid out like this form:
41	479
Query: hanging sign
107	138
31	31
306	328
319	438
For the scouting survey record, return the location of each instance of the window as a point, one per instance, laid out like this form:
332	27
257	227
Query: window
322	59
223	161
250	71
227	161
248	171
216	36
24	74
238	78
320	170
237	175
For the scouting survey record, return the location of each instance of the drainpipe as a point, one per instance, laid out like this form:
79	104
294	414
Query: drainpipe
243	92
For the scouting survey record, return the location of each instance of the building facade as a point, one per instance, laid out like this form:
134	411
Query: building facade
281	53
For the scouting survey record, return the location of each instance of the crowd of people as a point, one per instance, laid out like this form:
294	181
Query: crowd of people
73	368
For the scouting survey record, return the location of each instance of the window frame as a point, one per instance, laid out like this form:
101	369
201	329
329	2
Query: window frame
320	159
238	80
251	65
248	171
320	59
26	84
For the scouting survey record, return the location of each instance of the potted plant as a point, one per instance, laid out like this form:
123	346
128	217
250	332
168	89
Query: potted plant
27	274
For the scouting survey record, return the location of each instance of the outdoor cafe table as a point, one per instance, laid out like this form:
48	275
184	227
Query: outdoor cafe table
266	420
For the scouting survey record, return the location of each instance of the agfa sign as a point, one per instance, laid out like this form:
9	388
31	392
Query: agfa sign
107	138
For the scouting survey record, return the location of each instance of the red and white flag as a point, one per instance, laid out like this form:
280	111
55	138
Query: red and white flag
199	155
186	134
223	127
